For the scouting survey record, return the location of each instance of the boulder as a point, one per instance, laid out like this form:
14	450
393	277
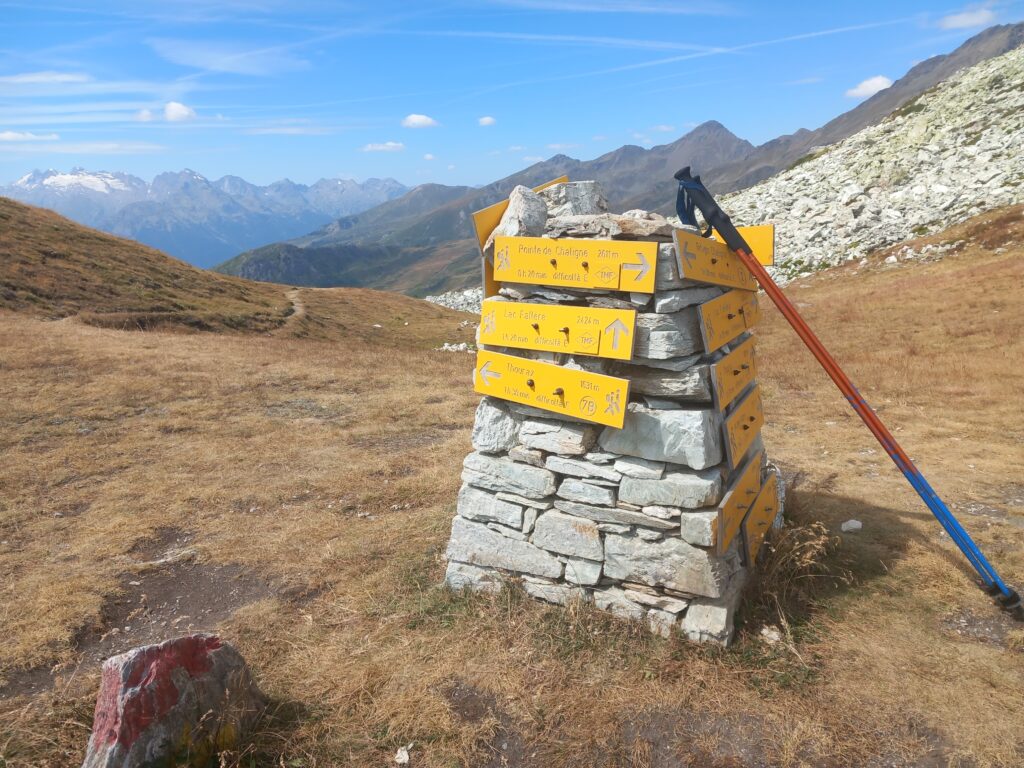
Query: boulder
476	544
666	336
691	385
483	507
557	437
525	216
568	535
177	703
689	437
613	515
688	490
576	198
552	592
699	528
581	468
668	563
614	601
585	493
501	474
579	571
495	430
461	576
710	620
674	301
631	466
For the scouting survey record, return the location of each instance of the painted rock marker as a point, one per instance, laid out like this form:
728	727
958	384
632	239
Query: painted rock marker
617	265
553	328
588	396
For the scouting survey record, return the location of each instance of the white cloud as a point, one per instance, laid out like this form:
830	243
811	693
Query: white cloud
145	116
869	87
419	121
487	120
516	148
176	112
663	128
599	138
560	147
230	57
44	78
533	159
804	81
643	138
387	146
972	16
27	136
429	156
451	167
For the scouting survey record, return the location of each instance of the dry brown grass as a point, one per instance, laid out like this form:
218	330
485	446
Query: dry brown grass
328	469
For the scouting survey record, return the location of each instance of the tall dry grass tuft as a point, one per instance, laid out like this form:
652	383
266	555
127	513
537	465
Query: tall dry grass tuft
798	566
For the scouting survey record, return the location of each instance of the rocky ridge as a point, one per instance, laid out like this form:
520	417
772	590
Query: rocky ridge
954	152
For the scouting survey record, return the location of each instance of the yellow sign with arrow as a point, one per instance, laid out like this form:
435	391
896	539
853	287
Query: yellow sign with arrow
617	265
559	328
589	396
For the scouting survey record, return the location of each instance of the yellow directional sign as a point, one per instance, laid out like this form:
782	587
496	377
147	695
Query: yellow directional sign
743	425
725	318
736	502
618	265
732	374
760	238
761	516
590	396
559	328
709	261
486	219
751	311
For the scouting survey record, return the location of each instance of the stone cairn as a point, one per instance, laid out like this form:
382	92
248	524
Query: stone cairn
659	520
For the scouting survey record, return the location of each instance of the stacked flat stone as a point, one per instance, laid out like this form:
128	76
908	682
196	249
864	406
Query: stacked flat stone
624	518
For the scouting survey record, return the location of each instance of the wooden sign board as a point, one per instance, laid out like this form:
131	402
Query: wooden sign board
617	265
733	374
486	219
589	396
558	328
709	261
725	318
736	502
760	517
760	238
743	425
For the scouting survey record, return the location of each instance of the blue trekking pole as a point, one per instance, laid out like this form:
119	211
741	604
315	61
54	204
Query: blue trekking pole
693	194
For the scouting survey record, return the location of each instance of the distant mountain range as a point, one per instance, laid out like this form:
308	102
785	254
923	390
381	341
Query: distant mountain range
422	242
198	220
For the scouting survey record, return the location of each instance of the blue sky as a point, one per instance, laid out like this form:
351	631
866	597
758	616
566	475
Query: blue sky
453	92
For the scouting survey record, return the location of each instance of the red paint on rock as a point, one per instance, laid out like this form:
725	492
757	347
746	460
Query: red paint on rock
155	692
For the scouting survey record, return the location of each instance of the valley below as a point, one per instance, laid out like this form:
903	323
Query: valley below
287	475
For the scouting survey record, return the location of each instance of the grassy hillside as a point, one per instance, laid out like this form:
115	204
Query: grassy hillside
54	268
297	493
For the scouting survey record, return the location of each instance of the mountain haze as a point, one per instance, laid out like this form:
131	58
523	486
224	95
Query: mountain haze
633	177
192	217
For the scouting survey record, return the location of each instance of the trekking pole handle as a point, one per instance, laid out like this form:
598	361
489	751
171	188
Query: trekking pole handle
713	214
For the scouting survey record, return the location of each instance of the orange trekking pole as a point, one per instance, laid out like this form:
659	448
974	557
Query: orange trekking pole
693	194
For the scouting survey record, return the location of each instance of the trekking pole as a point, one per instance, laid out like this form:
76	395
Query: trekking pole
692	193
